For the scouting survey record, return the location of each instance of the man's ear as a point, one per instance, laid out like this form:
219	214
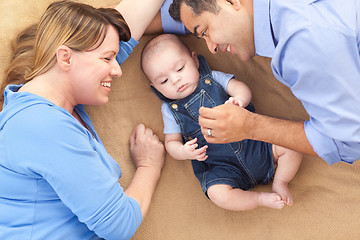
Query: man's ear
194	56
64	57
235	3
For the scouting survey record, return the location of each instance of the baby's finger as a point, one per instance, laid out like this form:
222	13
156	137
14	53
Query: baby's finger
192	141
203	149
202	157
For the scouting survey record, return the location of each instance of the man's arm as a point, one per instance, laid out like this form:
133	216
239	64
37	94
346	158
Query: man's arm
230	123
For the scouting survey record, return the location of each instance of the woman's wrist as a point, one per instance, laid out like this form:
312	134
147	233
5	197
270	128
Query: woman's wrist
152	172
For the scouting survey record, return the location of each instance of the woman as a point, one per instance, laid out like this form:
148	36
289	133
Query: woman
56	179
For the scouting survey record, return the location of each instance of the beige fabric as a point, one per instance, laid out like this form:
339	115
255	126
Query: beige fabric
326	197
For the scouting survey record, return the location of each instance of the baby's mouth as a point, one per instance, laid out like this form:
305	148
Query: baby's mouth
182	88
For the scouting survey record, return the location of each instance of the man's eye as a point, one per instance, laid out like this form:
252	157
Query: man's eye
107	59
204	34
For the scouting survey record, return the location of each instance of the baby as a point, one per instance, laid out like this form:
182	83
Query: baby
184	82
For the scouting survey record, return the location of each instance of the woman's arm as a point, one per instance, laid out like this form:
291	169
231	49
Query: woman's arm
148	154
155	26
139	15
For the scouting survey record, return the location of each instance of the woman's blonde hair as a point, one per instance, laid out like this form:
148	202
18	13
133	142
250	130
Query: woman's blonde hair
75	25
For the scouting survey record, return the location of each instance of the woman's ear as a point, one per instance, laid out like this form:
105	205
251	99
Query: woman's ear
194	56
64	57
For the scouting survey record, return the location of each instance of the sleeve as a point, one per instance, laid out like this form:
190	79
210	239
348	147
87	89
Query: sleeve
322	68
169	25
125	49
170	125
324	146
85	178
222	78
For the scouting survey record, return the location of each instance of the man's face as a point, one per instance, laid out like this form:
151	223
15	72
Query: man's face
231	29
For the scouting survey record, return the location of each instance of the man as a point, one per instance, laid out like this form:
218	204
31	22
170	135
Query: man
314	46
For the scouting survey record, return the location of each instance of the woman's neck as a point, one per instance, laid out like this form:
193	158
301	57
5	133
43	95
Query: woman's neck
52	88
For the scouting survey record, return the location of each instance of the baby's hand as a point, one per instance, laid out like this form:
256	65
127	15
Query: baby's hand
236	101
190	152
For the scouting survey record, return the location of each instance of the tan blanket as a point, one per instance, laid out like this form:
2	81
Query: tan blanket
326	198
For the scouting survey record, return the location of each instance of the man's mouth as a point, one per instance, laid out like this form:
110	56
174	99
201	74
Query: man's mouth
106	84
228	48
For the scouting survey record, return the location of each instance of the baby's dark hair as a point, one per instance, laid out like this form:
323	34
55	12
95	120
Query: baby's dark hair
197	6
158	44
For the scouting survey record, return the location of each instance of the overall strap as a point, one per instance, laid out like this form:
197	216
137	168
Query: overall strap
204	68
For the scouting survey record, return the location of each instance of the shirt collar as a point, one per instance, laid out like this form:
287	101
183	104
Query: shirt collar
264	43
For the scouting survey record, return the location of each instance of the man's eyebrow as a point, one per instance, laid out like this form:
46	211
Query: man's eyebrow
195	31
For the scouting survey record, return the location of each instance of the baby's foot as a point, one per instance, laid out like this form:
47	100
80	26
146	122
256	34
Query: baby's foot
282	188
271	200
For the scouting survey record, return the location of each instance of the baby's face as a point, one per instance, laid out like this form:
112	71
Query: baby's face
173	72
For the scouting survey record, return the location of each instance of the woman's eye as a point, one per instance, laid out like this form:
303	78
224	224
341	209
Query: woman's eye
107	59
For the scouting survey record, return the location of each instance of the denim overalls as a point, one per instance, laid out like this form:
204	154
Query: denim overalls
240	164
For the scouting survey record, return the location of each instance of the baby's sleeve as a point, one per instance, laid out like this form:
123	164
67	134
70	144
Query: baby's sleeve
170	125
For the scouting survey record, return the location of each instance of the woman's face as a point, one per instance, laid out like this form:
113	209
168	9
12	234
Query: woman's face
93	71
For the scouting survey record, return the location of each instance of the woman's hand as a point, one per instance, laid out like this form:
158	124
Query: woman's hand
148	154
146	148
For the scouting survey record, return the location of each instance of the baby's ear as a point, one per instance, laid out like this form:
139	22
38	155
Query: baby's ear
194	56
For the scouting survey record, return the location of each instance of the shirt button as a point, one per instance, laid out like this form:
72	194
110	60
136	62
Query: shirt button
207	81
174	106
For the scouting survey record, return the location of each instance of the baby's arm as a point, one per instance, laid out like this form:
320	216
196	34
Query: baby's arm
239	92
175	147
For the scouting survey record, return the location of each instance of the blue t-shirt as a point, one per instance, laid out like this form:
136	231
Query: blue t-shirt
56	179
315	51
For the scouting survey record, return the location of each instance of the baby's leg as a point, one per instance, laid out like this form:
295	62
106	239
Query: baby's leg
288	162
235	199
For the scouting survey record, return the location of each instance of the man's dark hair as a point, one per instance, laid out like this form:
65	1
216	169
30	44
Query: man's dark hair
197	6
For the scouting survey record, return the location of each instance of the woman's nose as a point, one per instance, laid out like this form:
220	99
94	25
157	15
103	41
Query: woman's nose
116	69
